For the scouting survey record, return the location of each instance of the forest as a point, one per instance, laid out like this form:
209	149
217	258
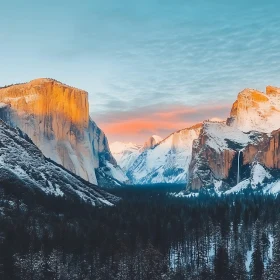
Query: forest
148	235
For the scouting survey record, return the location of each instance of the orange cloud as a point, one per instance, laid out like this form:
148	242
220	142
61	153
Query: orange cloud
140	124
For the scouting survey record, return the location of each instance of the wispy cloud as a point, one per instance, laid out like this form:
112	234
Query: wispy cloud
135	55
138	125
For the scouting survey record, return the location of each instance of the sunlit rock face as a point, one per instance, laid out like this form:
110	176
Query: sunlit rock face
56	117
252	128
255	110
151	142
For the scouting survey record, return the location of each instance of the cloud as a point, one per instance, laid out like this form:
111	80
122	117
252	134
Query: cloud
161	119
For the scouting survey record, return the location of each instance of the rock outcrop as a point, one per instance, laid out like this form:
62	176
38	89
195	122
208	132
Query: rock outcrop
56	117
255	110
248	131
214	155
266	152
151	142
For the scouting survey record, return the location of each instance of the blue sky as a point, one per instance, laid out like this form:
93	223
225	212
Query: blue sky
140	60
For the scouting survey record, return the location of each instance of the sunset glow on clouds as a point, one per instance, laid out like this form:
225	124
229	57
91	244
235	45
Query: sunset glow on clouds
149	66
161	120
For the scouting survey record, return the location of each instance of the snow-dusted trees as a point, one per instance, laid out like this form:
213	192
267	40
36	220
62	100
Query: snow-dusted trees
147	236
221	264
257	265
274	268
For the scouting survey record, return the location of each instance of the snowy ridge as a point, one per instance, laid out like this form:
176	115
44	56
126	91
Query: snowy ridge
218	134
168	161
23	164
125	153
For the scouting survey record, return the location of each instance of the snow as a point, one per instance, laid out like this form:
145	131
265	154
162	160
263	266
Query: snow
116	172
125	153
261	113
276	188
218	133
258	174
157	138
183	195
118	147
239	187
271	241
3	105
273	188
168	162
106	202
25	163
248	259
217	186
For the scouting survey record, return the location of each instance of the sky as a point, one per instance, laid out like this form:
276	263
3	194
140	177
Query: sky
150	67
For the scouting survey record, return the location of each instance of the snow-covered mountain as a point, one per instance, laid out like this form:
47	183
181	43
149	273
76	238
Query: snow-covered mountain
215	155
56	117
218	154
151	142
23	165
125	153
167	161
255	110
244	152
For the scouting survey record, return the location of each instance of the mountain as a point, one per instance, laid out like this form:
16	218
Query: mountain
151	142
242	152
255	110
215	154
24	168
56	117
125	153
167	161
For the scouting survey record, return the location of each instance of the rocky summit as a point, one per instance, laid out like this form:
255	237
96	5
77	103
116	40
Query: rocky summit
56	117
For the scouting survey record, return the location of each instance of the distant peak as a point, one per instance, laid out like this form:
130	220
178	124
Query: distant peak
157	138
152	142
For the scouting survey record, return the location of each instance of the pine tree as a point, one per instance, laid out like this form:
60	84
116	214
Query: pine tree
257	266
274	269
221	264
238	268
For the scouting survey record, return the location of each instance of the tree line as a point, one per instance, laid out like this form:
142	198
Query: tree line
148	235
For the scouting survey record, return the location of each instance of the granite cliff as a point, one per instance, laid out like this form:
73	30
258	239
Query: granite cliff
245	147
56	117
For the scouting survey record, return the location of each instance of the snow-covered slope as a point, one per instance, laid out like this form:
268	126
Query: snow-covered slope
56	117
23	165
166	162
255	110
125	153
244	152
